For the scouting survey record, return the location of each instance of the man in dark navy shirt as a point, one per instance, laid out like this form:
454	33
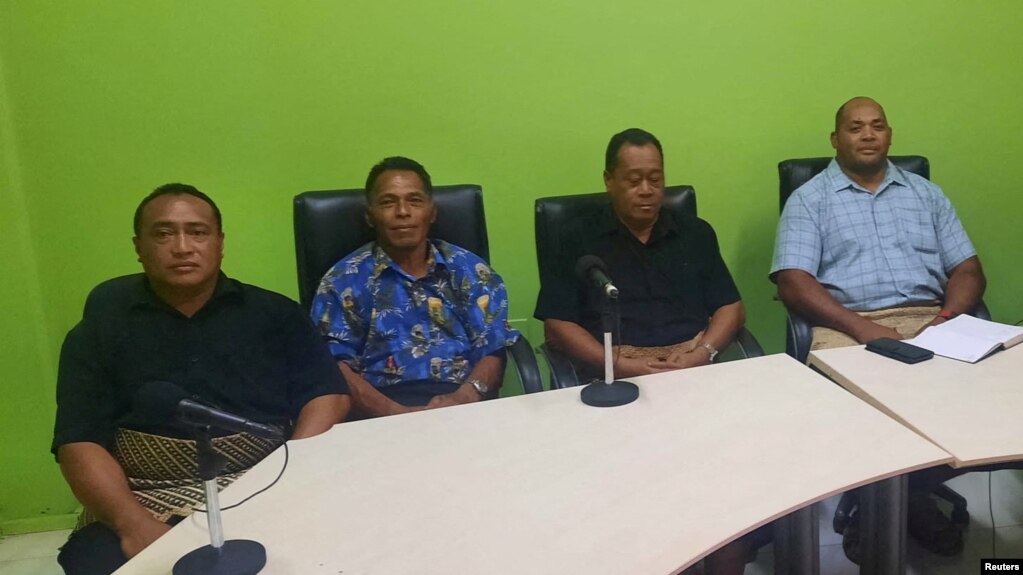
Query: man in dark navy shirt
677	301
238	347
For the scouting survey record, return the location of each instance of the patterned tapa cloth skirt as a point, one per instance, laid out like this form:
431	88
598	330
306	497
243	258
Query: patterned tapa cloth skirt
163	473
906	320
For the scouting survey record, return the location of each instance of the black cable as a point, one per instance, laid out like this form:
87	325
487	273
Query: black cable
1020	322
272	483
991	512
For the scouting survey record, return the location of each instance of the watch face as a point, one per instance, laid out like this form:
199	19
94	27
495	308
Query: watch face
481	387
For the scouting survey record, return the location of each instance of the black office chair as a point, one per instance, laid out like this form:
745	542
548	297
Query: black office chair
799	331
331	224
551	215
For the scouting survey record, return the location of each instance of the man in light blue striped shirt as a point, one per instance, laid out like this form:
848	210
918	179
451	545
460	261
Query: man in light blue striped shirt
865	235
867	250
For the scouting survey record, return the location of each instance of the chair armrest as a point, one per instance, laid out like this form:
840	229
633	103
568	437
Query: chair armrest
526	365
562	371
744	346
798	336
981	311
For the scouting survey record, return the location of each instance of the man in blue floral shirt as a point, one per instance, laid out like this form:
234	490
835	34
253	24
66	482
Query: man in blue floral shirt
414	323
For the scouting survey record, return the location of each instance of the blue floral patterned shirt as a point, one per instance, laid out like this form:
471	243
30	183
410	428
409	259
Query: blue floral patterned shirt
391	327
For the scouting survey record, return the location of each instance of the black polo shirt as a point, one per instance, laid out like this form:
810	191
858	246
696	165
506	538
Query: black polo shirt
669	287
248	351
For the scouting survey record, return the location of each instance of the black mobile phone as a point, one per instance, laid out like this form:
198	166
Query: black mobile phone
900	350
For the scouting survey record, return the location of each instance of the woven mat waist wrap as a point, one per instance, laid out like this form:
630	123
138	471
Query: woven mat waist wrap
163	473
907	320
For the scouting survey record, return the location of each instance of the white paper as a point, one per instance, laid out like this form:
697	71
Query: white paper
967	338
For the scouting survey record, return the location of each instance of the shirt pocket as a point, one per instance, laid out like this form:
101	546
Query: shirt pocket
919	231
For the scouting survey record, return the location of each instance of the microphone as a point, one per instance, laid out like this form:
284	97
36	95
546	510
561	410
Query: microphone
592	270
167	401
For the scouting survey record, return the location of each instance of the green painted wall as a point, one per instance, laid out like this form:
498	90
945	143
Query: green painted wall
30	491
255	101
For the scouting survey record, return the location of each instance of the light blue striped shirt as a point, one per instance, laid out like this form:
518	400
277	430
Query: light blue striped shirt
872	251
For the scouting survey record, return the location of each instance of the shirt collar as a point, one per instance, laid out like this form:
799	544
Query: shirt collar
839	181
434	259
142	293
664	226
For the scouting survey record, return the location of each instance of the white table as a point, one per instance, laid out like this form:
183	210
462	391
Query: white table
971	411
544	484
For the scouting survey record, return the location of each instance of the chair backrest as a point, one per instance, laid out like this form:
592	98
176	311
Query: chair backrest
795	173
552	213
331	224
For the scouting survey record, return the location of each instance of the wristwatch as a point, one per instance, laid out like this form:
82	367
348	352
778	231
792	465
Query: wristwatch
711	350
481	388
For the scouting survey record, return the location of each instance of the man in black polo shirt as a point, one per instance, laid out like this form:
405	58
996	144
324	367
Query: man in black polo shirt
247	351
677	301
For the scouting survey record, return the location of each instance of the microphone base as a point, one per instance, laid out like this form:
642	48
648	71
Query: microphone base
235	557
600	394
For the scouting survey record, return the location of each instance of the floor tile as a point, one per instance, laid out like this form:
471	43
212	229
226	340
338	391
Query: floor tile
1008	542
32	566
32	545
834	561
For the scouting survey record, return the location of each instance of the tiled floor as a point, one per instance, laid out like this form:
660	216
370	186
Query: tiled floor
36	554
1007	492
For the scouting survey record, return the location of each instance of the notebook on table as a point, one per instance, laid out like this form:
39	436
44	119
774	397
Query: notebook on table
967	338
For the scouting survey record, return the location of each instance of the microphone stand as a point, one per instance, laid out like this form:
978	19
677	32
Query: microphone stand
609	393
234	557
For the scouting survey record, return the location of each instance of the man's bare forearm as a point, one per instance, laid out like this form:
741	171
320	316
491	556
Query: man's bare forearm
489	370
574	341
966	285
724	324
99	483
803	294
366	397
320	414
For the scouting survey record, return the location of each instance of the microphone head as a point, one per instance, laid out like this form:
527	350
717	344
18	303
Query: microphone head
587	263
158	400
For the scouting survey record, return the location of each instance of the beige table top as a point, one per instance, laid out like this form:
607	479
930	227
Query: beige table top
972	411
544	484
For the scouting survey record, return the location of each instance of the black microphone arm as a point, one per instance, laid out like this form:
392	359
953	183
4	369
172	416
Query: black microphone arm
610	392
592	270
195	413
166	401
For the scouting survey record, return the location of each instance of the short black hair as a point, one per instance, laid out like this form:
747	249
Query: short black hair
633	137
177	190
397	163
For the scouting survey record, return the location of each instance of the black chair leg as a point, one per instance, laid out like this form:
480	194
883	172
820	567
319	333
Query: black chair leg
843	514
960	516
